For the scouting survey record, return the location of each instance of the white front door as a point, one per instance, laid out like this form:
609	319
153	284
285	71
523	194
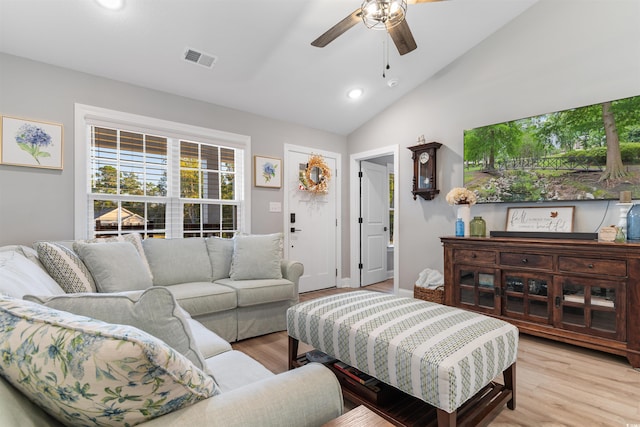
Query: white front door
311	221
374	211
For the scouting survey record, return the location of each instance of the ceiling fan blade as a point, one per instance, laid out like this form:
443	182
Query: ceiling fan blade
402	37
422	1
338	29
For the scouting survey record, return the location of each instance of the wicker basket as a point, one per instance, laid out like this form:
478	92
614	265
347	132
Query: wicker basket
432	295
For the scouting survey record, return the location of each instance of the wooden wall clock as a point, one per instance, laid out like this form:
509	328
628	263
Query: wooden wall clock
424	170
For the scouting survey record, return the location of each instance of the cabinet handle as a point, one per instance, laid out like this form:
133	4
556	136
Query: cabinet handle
473	255
590	265
524	260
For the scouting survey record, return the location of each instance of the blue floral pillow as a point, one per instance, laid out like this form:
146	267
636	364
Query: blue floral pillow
87	372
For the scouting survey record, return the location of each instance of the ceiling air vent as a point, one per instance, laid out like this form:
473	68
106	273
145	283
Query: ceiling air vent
200	58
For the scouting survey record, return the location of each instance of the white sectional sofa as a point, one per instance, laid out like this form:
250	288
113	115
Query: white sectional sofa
136	355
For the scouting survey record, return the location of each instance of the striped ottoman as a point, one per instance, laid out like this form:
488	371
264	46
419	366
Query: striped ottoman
439	354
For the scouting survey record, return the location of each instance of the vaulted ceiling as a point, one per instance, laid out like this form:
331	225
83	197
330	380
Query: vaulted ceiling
265	63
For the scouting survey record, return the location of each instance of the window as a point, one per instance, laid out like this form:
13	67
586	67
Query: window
159	178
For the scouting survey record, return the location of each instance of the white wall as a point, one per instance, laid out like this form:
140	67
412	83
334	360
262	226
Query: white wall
37	204
558	54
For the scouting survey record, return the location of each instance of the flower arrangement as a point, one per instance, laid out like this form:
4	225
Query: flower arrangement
461	196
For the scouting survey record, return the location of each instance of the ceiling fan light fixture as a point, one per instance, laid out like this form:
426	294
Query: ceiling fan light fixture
383	14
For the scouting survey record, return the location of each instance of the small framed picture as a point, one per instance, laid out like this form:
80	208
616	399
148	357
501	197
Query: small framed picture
31	143
267	172
550	219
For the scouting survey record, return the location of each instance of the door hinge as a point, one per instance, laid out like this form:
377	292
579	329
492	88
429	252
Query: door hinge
360	220
360	266
360	174
336	272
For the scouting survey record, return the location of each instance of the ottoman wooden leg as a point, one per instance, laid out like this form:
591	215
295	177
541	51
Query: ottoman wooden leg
509	375
293	351
446	419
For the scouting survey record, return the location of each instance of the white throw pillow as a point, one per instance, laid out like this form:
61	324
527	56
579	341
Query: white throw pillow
257	256
19	276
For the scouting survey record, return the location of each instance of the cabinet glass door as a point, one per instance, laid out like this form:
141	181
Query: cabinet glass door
476	288
525	296
592	306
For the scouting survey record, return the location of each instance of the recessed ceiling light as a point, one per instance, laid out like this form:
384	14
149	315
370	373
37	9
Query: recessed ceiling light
355	93
111	4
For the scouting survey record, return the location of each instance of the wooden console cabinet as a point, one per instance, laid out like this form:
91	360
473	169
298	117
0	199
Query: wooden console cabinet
580	292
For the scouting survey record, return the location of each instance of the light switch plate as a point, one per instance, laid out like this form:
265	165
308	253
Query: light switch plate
275	207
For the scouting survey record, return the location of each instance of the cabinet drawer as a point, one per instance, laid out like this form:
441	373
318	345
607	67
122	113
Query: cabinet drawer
610	267
466	255
526	260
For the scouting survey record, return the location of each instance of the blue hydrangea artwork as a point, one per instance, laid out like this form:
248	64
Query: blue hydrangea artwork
33	139
269	171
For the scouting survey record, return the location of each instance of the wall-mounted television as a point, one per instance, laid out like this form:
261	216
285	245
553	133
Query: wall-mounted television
585	153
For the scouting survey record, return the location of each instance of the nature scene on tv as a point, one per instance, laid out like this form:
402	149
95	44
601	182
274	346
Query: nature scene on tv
586	153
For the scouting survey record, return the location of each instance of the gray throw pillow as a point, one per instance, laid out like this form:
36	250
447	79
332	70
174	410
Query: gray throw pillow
257	256
115	266
154	311
221	253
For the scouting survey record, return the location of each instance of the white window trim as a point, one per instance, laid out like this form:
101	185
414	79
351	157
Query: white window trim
82	141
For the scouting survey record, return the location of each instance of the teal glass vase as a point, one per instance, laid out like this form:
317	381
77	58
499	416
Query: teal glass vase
633	223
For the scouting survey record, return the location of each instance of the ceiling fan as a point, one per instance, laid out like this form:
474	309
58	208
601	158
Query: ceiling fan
386	15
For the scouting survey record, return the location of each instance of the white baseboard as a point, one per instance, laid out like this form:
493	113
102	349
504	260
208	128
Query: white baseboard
407	293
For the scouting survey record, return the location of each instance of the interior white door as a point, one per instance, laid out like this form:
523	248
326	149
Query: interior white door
374	200
311	224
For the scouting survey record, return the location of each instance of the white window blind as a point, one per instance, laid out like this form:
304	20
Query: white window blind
160	178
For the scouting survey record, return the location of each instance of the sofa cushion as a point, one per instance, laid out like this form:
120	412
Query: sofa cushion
154	311
220	253
30	253
175	261
255	292
199	298
84	371
65	267
134	238
257	257
235	369
19	276
115	266
207	341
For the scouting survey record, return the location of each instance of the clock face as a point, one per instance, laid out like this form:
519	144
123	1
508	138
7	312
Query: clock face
424	158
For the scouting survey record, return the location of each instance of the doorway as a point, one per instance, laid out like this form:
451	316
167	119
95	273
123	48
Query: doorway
312	220
360	236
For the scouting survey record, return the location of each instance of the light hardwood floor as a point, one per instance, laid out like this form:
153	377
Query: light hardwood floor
556	384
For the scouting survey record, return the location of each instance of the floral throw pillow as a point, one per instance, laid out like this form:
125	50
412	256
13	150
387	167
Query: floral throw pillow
86	372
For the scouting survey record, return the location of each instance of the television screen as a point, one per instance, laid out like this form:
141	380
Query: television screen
586	153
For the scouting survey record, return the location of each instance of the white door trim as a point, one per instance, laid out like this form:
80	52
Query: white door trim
338	188
354	167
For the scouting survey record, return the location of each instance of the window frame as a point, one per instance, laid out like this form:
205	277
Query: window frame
86	116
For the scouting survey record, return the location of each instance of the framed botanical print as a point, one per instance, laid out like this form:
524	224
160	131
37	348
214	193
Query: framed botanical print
267	172
31	143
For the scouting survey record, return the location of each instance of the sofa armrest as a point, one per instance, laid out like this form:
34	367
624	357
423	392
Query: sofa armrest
306	396
292	270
